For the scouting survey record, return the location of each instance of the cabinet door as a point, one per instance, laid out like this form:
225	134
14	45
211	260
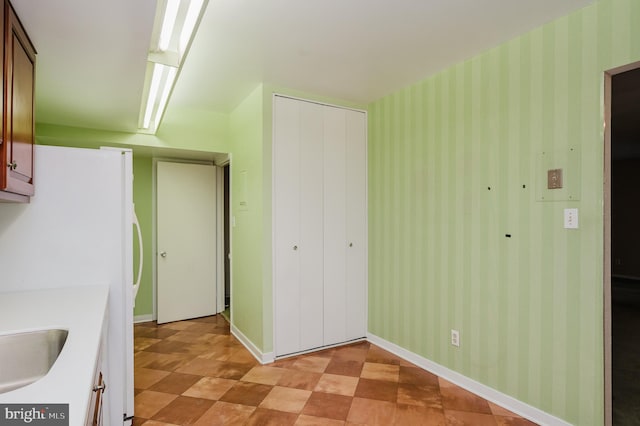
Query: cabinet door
345	225
297	222
356	219
19	120
335	226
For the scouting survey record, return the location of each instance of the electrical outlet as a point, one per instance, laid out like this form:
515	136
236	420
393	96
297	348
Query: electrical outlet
455	337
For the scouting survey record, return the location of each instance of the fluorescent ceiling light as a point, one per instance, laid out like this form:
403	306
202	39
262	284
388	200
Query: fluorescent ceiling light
153	94
180	17
168	85
195	6
169	21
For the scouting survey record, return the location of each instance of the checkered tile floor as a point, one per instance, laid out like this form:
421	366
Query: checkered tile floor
196	373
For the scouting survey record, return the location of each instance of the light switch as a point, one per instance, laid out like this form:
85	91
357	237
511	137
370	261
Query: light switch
571	218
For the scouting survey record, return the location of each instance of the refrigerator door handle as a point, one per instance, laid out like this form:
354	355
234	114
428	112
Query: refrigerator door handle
136	285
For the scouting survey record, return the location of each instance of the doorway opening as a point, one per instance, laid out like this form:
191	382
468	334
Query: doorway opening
622	252
227	243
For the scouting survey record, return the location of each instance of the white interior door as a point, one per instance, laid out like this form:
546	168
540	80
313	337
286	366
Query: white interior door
186	241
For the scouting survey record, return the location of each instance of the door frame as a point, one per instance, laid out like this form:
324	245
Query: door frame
154	227
608	401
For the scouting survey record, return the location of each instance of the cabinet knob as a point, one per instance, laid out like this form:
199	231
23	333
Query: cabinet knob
163	254
350	244
13	165
295	247
102	387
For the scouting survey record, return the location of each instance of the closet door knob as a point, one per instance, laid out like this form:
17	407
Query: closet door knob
350	244
295	247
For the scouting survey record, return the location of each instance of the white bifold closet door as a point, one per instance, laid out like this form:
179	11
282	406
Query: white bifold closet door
319	225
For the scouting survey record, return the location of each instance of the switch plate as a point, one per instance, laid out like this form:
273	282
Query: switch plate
571	218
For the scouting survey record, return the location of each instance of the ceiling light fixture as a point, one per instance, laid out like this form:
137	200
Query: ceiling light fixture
176	23
168	22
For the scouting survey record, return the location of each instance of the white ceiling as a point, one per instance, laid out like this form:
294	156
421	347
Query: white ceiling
92	54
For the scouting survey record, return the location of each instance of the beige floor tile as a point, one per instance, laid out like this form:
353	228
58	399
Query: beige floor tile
286	399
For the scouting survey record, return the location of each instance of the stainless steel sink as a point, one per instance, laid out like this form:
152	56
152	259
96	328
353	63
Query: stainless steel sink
27	357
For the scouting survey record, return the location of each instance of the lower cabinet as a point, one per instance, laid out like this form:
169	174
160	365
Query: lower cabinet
319	225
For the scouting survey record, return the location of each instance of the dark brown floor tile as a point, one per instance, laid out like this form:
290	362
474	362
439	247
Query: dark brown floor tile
380	356
264	417
299	379
246	393
201	327
175	383
328	405
177	325
410	415
175	347
138	421
424	396
158	361
458	399
465	418
144	378
226	414
377	389
371	412
356	352
183	410
153	332
213	368
306	420
344	367
417	376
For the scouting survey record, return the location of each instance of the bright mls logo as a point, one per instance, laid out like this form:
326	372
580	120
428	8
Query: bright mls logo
34	414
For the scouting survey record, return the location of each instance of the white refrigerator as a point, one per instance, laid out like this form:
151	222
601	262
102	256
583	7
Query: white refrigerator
77	230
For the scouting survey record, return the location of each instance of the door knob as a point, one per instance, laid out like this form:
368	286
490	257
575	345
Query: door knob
163	254
295	247
13	165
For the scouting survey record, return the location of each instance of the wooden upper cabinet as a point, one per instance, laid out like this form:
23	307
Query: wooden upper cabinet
18	136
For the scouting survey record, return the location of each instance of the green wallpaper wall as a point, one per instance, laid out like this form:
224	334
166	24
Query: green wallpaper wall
453	168
248	234
143	195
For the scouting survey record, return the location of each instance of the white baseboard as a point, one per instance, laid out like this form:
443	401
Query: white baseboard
142	318
522	409
263	358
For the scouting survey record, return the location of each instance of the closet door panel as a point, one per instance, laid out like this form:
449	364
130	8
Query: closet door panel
356	217
335	235
286	217
311	248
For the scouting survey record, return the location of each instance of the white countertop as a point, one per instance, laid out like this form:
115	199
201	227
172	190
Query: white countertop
81	310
